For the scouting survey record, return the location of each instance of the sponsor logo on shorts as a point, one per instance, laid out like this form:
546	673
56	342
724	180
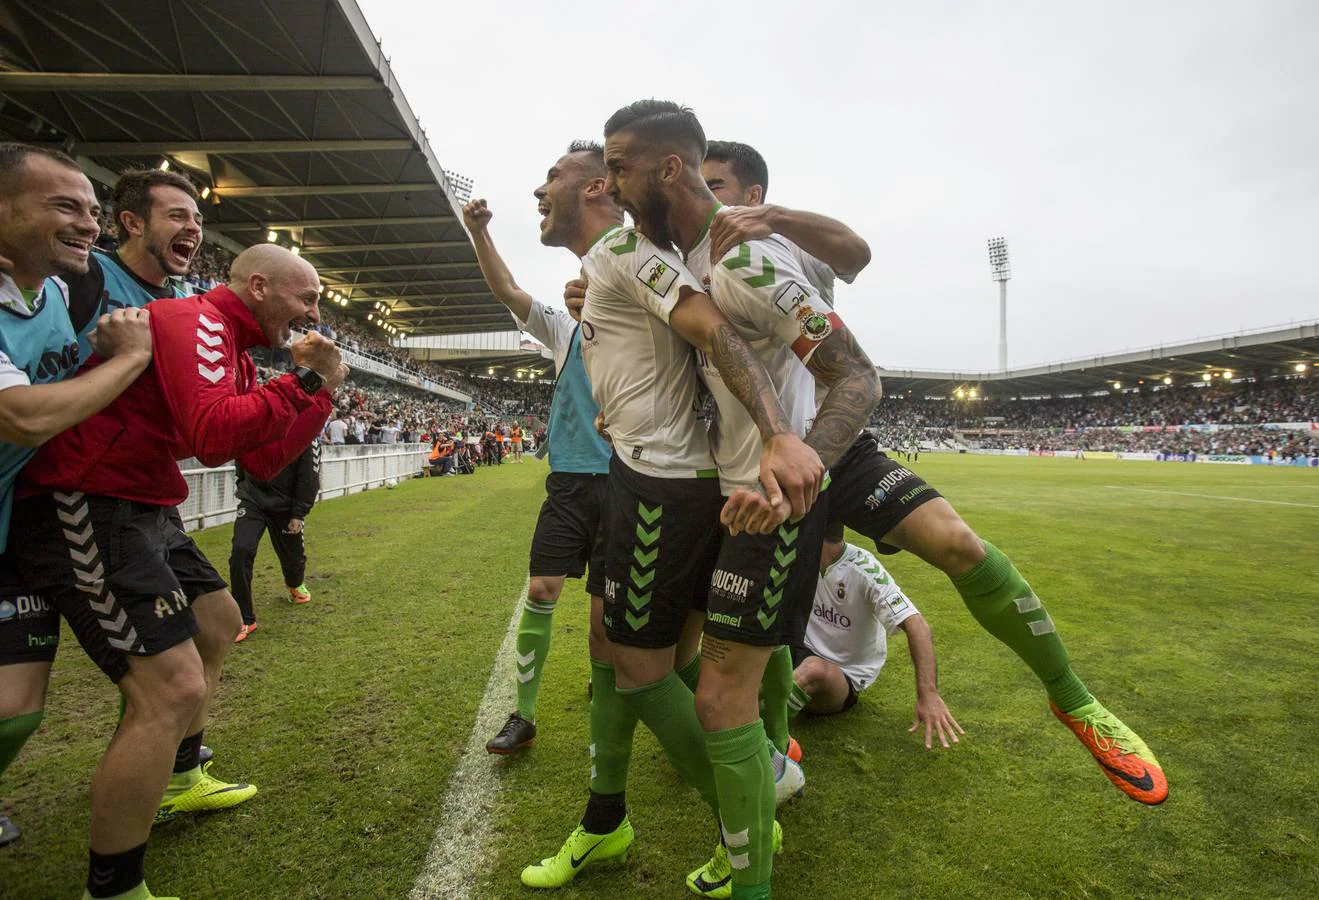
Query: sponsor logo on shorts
657	275
168	606
611	589
43	640
832	616
887	484
725	619
730	583
912	494
20	608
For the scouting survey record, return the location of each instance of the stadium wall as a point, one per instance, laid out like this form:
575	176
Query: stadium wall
344	470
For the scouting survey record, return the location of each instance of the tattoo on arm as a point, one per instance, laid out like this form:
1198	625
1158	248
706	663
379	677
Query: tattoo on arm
854	392
747	380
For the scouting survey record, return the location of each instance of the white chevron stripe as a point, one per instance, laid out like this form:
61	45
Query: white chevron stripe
210	340
69	499
84	558
93	589
104	607
211	375
128	644
524	677
79	537
90	576
209	355
117	623
528	659
70	518
739	860
593	751
212	326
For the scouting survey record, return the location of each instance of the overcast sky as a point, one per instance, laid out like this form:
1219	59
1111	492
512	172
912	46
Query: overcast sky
1154	166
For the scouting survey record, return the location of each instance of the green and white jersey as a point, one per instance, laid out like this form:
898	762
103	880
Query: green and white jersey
780	300
858	607
640	369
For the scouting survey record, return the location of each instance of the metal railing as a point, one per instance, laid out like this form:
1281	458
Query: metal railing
345	469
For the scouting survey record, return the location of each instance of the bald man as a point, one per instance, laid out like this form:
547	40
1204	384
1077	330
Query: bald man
94	535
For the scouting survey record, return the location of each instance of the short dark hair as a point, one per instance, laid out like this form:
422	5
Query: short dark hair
13	158
596	152
747	163
663	121
132	192
833	532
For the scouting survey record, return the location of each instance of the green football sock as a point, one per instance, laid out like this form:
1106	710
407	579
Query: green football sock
612	725
775	688
1005	606
691	672
14	733
669	710
533	647
798	700
745	778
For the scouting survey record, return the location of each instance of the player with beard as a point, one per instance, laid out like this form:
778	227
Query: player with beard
642	315
47	226
761	589
896	509
572	202
94	534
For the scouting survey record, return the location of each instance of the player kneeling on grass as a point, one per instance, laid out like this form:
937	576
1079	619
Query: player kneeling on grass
858	607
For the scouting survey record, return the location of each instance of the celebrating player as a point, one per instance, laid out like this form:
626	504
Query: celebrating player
896	509
564	541
47	225
94	533
858	607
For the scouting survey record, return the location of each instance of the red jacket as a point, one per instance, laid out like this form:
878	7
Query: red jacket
199	398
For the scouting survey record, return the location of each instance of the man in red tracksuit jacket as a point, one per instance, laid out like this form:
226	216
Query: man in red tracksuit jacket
94	534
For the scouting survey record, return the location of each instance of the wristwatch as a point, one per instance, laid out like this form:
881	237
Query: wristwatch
310	381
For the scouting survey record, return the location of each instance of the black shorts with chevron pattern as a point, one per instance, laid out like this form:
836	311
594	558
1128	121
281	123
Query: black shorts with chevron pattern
662	537
763	585
122	574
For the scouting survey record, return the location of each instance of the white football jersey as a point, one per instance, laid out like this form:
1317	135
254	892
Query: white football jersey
641	371
779	299
857	607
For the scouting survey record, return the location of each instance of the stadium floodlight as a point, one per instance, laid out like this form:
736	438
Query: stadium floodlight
1167	379
295	250
164	165
1300	367
1117	385
206	191
1001	271
271	237
1227	373
1207	377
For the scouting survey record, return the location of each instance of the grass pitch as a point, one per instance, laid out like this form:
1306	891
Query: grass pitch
1191	611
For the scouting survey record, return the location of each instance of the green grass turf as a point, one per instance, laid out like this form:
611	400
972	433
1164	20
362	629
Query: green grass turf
1193	618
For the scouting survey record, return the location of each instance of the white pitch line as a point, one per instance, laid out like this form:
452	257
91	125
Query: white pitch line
1119	487
454	860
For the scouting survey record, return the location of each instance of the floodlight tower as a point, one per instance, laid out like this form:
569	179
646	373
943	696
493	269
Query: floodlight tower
1001	272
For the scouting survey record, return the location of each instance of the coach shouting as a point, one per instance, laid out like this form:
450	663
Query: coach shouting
92	534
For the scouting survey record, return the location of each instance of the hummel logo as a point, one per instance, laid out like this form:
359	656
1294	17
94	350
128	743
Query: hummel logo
578	860
1144	783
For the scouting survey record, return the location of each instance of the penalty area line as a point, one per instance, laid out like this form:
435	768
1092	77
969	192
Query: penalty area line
455	856
1119	487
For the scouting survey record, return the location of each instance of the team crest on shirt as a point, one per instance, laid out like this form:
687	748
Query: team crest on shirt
790	297
841	592
657	275
815	326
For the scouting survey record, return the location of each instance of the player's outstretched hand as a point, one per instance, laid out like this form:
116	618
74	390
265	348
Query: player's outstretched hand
317	353
734	225
791	473
934	715
124	331
335	381
749	510
476	215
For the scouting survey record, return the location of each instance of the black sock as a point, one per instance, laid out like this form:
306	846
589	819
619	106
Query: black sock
115	873
605	812
189	755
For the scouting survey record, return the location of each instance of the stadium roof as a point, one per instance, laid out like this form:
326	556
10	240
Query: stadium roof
1277	350
288	111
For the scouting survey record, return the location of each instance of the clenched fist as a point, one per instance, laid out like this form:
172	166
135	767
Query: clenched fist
122	332
317	353
476	215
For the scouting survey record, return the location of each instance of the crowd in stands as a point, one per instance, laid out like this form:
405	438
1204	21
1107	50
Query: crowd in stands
1170	421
